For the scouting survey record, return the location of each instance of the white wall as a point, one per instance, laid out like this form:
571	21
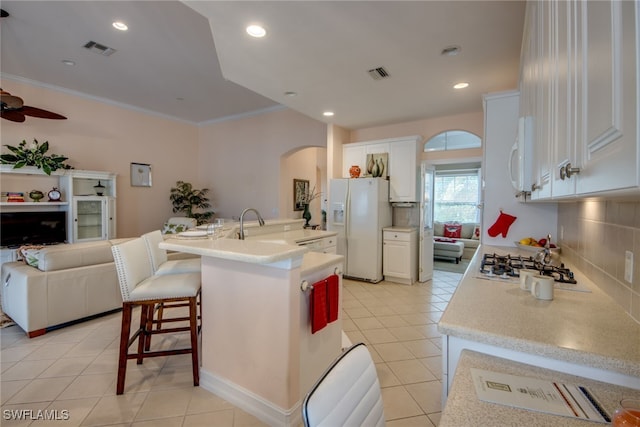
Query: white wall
99	136
241	159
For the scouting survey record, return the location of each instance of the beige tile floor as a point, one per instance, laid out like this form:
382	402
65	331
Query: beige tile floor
73	370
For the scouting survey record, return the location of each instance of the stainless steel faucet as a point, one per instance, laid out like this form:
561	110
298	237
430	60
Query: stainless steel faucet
260	221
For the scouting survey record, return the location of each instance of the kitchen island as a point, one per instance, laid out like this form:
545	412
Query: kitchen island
582	333
258	351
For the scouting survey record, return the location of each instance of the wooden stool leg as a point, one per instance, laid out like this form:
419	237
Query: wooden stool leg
160	314
143	336
124	346
193	328
149	327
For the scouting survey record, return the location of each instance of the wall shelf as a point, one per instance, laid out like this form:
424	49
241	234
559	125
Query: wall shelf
17	204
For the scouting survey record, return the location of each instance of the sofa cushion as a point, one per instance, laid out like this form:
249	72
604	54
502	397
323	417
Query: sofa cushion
467	230
74	255
438	228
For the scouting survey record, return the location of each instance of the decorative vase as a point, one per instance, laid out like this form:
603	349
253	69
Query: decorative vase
354	171
306	214
36	195
370	164
375	171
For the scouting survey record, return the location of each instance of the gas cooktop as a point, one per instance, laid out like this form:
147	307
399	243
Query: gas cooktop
510	265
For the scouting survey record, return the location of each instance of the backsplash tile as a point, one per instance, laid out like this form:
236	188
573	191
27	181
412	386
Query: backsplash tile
597	233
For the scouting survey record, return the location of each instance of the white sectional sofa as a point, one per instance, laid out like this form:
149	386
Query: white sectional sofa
71	282
442	248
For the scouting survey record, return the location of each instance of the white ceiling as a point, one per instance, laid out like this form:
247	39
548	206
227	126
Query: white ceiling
167	61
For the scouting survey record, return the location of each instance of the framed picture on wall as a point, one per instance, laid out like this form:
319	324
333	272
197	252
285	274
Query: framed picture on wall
300	191
140	175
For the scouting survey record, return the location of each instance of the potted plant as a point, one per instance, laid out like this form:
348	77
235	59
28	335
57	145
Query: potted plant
187	199
34	156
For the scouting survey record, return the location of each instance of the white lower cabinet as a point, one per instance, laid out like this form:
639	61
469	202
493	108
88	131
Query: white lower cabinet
329	245
400	255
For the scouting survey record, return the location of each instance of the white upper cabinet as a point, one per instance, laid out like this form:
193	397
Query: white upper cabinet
404	170
578	82
608	78
353	155
402	164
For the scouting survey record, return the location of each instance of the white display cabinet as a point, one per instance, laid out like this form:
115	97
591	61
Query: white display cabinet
81	192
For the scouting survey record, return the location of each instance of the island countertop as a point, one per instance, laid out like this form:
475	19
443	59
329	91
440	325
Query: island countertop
291	237
584	328
250	251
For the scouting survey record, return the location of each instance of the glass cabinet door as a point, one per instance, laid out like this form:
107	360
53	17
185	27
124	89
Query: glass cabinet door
89	221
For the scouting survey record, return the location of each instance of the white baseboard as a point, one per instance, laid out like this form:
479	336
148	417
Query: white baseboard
249	402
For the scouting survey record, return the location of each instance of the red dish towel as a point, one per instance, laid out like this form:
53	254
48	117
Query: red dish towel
333	289
318	306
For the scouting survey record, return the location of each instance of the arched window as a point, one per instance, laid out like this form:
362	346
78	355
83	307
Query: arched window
453	140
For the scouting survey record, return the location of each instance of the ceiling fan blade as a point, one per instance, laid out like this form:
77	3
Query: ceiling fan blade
13	115
43	114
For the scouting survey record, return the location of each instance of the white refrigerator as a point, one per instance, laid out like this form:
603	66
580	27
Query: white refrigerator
358	211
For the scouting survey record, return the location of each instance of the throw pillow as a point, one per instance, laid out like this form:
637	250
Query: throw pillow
173	228
452	230
476	233
29	254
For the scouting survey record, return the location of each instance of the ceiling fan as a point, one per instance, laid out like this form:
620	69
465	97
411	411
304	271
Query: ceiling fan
13	109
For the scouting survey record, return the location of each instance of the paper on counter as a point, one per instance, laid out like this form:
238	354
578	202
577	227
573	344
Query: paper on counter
567	400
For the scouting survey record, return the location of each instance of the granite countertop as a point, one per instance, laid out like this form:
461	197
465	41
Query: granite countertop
463	407
585	328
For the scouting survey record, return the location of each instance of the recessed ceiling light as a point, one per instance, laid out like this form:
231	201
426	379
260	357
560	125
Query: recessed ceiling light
451	50
461	85
290	93
256	31
328	113
119	25
68	62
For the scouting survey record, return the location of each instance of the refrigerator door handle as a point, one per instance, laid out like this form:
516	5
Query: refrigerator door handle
347	217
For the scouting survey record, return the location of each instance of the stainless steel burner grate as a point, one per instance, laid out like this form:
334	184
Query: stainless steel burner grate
510	265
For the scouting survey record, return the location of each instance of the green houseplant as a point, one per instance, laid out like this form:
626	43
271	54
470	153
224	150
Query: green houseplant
187	199
34	156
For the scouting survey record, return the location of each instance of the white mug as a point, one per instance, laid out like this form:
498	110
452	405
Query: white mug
542	287
525	278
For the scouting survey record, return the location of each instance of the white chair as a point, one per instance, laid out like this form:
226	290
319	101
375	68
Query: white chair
347	394
162	265
160	262
140	287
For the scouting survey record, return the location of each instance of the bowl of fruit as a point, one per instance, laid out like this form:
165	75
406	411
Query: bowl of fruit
534	245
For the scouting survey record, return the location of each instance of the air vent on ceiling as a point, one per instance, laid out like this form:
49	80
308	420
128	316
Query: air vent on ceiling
99	48
378	73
